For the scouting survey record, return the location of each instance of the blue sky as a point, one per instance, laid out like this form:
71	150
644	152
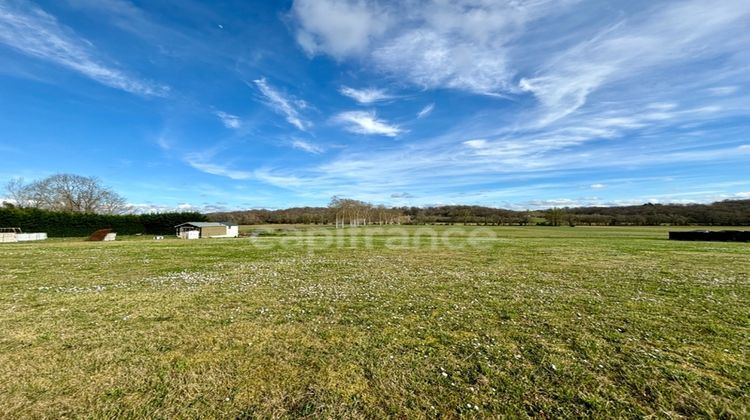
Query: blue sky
245	104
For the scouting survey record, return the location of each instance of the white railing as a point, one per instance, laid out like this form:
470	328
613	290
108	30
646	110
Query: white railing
8	237
22	237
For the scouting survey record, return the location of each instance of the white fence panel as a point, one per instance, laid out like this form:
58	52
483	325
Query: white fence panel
8	237
31	236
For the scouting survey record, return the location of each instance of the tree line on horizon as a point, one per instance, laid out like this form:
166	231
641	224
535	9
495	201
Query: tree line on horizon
355	213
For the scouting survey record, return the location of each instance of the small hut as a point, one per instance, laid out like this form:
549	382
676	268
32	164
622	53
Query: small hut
196	230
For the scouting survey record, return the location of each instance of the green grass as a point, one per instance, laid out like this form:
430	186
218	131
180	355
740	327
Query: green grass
537	321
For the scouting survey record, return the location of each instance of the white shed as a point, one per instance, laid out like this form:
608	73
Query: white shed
195	230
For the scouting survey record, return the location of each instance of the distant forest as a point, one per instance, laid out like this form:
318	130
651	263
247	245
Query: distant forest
352	212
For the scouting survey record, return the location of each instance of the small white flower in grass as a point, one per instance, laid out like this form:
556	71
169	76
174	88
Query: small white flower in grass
445	374
553	367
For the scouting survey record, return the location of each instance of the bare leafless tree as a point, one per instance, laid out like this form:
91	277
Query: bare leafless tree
67	192
358	213
15	189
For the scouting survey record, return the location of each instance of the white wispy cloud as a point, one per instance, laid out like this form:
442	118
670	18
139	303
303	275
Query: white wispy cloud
664	37
151	208
689	198
402	195
201	162
163	142
430	59
284	181
282	104
723	90
365	96
34	32
229	120
427	110
460	44
339	28
476	144
598	186
165	139
366	122
306	146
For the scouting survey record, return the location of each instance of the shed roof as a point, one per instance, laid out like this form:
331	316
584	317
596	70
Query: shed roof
205	224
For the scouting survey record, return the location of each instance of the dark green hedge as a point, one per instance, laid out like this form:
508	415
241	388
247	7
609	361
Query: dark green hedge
63	224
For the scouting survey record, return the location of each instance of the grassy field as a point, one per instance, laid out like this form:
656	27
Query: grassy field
395	322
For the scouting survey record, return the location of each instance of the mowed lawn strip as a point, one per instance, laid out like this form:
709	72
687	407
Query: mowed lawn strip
297	321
